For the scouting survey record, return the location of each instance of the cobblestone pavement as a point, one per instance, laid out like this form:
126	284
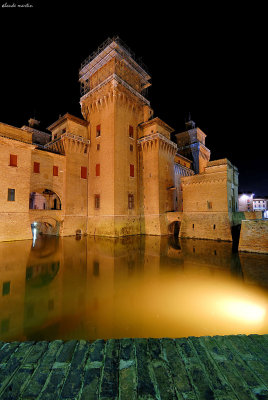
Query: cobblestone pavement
220	367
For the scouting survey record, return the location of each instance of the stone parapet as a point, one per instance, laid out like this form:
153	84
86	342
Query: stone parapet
238	217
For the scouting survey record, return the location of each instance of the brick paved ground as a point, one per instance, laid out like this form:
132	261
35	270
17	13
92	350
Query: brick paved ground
220	367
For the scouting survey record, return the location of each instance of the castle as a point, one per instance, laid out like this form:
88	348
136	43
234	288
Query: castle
116	171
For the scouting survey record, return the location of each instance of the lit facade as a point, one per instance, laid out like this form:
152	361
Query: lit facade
260	204
116	171
245	201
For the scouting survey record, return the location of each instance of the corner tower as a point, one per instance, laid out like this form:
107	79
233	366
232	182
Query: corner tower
191	144
113	101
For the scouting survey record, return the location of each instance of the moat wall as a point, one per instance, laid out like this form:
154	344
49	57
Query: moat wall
214	226
254	236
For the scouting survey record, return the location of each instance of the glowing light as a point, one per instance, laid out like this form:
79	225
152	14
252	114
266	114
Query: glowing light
34	234
247	196
246	311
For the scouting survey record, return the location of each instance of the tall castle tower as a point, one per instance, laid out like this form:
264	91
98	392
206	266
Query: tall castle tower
112	101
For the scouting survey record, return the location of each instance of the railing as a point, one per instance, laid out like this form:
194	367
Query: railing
106	43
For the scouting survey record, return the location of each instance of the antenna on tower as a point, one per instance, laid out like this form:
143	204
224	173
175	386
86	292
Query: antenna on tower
189	123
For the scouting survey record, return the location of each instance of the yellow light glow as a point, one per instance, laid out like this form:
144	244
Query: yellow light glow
246	311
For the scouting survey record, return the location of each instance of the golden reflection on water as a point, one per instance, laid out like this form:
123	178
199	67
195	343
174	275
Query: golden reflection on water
139	286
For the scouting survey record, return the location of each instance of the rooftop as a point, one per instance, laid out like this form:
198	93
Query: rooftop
67	116
157	121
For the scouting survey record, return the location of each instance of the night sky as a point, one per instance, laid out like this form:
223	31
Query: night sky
207	62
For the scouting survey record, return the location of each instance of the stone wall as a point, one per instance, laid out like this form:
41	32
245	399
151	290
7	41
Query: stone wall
204	225
14	213
208	201
254	236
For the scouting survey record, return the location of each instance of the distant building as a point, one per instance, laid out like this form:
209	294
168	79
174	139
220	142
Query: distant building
116	171
260	204
245	201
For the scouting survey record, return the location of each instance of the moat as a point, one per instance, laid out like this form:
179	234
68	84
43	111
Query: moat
139	286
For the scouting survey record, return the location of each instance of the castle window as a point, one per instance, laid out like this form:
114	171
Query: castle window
84	172
193	226
209	204
96	268
131	131
5	325
55	170
97	201
11	195
97	169
13	160
98	130
50	305
98	146
131	170
36	168
131	147
6	288
130	201
214	226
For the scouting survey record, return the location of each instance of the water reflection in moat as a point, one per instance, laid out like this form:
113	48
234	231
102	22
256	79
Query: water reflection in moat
140	286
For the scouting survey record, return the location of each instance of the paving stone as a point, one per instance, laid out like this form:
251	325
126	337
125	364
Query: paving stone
256	374
66	352
6	351
36	353
40	375
241	358
59	371
127	370
24	372
236	383
221	368
219	384
54	382
199	379
93	370
145	387
163	381
181	381
14	388
110	378
74	378
90	389
259	346
8	370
